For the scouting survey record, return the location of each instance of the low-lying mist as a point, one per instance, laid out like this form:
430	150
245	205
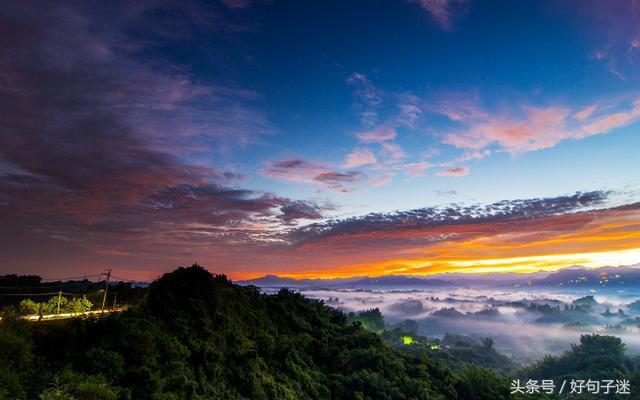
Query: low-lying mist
525	324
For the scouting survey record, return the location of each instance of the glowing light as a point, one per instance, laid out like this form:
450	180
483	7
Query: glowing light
609	238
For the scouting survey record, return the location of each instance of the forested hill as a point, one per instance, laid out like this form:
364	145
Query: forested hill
198	336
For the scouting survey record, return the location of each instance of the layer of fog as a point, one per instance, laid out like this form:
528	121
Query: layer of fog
525	324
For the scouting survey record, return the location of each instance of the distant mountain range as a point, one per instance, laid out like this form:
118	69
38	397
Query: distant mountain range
593	277
400	281
390	281
574	276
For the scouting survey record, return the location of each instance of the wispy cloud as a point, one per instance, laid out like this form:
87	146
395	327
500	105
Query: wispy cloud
530	128
454	171
295	169
392	151
387	159
338	180
384	137
379	135
300	170
410	110
369	98
459	107
382	180
417	168
473	155
295	211
585	113
608	121
446	193
359	157
443	12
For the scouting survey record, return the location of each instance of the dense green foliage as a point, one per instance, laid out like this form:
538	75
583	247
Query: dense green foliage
371	320
595	357
460	350
197	336
75	305
456	351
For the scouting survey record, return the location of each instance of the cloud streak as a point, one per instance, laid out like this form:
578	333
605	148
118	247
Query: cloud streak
521	235
534	128
454	171
432	216
360	157
379	135
369	98
303	171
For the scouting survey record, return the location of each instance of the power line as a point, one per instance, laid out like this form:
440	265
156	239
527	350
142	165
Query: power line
49	294
45	286
28	294
119	278
70	278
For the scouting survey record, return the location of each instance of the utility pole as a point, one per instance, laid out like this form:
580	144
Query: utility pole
106	289
59	298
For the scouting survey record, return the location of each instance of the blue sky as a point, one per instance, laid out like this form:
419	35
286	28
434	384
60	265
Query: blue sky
498	57
145	136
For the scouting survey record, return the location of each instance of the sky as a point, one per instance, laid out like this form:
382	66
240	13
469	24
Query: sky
318	138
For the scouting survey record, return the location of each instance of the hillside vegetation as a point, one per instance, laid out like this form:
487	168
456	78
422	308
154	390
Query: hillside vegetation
197	336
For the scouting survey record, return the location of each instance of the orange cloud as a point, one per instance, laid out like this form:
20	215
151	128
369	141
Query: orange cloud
590	238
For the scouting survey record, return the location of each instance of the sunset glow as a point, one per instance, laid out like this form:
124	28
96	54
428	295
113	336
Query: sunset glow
413	137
